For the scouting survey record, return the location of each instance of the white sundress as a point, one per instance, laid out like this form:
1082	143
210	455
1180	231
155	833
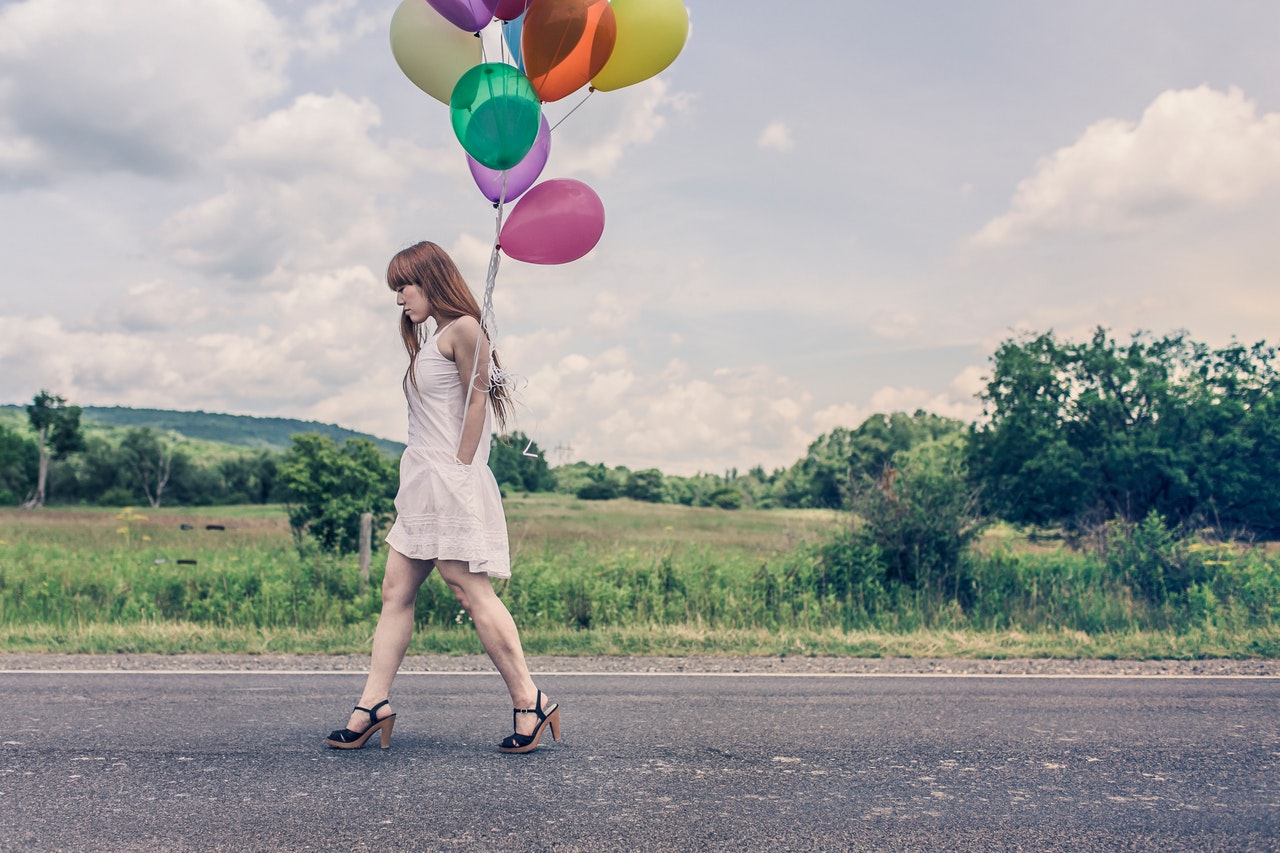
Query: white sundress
446	510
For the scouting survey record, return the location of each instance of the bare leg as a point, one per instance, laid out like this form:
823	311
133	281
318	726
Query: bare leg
498	635
391	638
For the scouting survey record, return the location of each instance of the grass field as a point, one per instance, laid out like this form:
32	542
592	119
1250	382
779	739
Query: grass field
615	577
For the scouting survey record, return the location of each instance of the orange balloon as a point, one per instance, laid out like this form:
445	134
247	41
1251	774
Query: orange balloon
565	43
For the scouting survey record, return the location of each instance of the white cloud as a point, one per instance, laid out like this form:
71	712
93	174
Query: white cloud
1191	148
201	198
776	136
957	401
327	27
154	306
320	136
896	325
615	313
324	348
81	90
302	192
626	119
610	408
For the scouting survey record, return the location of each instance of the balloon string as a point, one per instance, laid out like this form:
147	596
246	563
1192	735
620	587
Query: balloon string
488	326
502	45
590	92
486	311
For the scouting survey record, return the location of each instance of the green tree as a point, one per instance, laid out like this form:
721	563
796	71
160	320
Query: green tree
590	482
192	483
518	463
725	497
102	476
329	487
644	485
848	458
1078	433
57	429
250	477
19	464
821	477
696	490
879	438
601	485
148	457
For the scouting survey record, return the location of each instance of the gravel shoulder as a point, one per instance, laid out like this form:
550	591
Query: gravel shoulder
1215	667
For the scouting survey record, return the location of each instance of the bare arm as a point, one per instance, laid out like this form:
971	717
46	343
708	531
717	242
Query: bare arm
459	343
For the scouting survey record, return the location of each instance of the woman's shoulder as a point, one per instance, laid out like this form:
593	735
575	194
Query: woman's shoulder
460	330
461	323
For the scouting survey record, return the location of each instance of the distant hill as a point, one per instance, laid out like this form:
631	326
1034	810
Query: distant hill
239	430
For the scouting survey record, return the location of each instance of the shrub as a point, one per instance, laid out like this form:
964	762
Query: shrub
644	485
330	487
598	490
117	496
725	497
1148	557
921	514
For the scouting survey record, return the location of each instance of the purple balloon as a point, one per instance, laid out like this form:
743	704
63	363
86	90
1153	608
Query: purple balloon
509	10
520	176
556	222
470	15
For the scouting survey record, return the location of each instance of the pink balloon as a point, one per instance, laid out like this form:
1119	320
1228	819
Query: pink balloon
509	10
520	176
470	15
556	222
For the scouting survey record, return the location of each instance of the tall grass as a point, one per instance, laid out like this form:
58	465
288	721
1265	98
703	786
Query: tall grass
61	568
621	578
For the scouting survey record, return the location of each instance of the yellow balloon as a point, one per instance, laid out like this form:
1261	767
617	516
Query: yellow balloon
651	34
431	52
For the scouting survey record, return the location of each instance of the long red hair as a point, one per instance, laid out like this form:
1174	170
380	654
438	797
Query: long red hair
429	267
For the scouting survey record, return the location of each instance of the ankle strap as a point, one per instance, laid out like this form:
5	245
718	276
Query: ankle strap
537	709
373	712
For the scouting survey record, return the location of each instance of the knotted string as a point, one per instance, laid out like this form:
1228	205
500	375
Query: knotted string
488	325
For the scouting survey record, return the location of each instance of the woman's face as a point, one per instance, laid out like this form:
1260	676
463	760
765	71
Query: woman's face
414	303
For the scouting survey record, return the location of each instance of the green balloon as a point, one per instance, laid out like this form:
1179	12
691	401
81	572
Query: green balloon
496	114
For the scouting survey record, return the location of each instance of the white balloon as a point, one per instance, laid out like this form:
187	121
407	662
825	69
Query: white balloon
431	52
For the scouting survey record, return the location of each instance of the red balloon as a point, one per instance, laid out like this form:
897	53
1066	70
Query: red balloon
565	43
556	222
509	10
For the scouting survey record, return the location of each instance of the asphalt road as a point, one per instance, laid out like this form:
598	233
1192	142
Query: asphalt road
235	761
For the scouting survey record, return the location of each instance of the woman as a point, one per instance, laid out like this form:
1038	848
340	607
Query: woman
448	511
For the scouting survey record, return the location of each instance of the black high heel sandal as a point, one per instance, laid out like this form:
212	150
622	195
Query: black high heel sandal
347	739
516	742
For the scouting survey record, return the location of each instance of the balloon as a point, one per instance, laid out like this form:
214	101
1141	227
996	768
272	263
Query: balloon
565	43
520	176
556	222
511	34
430	52
651	34
509	10
496	114
469	15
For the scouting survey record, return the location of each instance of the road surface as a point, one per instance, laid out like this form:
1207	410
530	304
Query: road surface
206	761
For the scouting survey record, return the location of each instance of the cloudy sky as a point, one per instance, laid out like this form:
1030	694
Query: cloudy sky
820	211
